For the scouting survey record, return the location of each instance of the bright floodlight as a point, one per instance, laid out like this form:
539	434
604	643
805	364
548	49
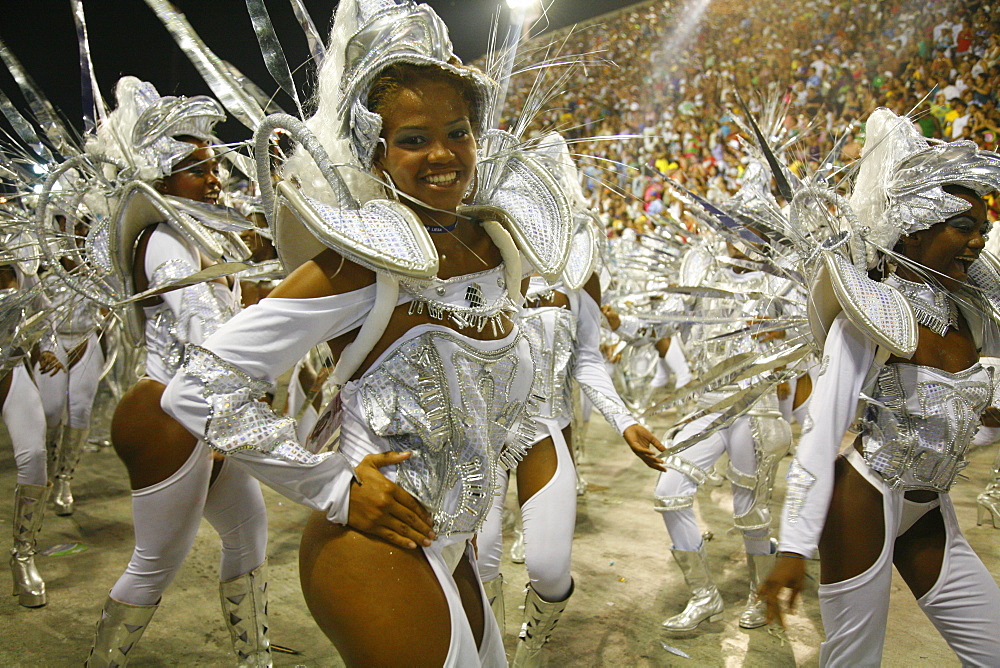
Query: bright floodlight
518	4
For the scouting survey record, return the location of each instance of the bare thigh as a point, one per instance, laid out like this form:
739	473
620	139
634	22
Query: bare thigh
380	605
5	387
854	533
919	552
151	444
536	469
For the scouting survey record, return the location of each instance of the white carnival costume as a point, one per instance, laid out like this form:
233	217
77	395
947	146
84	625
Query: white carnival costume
22	406
74	322
175	236
452	400
916	422
739	332
565	346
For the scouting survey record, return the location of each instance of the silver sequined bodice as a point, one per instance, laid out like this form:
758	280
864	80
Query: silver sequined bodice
552	333
455	403
711	343
74	316
920	421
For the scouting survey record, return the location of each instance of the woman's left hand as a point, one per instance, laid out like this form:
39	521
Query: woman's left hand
642	442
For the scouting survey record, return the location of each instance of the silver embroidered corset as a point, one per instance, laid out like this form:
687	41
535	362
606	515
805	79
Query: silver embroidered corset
552	334
212	304
917	426
456	404
74	316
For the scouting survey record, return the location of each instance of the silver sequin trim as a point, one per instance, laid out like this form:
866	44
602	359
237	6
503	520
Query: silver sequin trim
237	420
799	482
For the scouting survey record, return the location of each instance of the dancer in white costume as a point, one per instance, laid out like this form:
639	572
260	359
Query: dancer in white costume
68	370
564	328
905	351
25	421
174	480
755	443
416	302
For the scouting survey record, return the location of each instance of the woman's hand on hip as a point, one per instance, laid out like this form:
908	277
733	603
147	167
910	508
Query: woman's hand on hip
382	508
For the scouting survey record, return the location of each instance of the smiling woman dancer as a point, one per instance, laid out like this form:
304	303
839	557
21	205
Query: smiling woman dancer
433	372
885	502
173	477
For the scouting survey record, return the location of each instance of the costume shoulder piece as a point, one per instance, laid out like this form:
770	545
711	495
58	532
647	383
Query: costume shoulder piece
527	187
382	234
984	278
583	253
141	206
877	309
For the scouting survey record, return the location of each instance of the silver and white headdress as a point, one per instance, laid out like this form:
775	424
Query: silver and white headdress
898	188
143	128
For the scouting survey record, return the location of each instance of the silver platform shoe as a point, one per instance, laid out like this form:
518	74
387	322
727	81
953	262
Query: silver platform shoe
70	451
754	614
118	632
705	602
540	617
244	607
29	507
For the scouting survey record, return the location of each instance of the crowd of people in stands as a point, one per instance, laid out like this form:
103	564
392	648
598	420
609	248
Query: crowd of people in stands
679	65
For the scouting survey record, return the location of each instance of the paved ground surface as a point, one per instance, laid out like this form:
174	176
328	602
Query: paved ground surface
626	582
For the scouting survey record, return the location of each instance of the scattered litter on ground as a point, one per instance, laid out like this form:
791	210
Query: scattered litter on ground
674	650
63	549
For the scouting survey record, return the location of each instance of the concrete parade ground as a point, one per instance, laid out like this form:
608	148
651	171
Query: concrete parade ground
626	581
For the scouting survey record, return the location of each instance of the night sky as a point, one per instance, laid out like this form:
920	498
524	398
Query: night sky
127	38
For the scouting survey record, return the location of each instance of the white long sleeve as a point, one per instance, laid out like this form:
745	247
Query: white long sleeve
199	310
261	343
589	368
848	356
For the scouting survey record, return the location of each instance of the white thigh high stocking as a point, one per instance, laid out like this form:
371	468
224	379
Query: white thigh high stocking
549	518
83	380
671	486
855	613
740	445
235	508
25	420
489	540
166	518
964	603
53	390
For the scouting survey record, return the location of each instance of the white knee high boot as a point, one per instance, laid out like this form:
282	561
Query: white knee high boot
53	439
705	602
244	607
119	630
29	507
70	450
754	613
540	617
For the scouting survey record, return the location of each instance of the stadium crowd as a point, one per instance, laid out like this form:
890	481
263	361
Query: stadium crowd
675	67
